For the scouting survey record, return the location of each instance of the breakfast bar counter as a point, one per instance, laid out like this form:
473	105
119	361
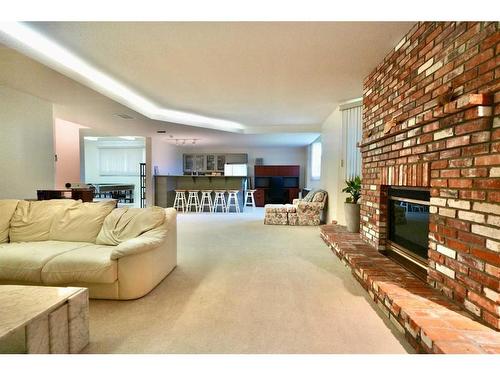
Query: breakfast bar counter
165	186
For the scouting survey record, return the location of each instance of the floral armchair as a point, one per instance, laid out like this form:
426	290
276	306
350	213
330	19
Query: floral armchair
306	211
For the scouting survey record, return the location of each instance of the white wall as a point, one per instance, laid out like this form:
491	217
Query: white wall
91	167
26	144
332	170
271	156
167	157
67	149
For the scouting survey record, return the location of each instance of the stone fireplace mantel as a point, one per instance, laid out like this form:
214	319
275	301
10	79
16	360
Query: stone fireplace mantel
483	102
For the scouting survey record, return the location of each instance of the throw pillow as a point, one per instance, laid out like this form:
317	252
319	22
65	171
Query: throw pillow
81	223
319	196
127	223
7	208
309	196
32	219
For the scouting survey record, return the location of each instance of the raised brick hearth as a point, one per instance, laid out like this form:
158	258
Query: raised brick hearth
429	321
431	120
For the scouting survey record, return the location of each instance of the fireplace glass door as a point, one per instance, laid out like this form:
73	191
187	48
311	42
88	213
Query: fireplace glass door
409	223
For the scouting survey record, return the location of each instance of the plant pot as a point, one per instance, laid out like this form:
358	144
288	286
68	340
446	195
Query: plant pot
352	216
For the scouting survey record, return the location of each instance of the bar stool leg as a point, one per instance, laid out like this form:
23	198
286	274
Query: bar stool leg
224	202
201	203
228	205
232	200
216	200
189	201
176	200
193	201
196	202
252	198
236	202
184	202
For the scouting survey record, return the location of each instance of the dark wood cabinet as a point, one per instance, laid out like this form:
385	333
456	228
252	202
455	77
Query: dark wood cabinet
276	184
293	193
260	197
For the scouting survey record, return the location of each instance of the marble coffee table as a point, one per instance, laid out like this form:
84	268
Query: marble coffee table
43	319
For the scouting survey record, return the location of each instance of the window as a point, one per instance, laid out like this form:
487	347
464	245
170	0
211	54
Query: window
316	160
120	161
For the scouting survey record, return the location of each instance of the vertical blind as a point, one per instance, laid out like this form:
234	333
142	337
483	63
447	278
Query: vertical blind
351	125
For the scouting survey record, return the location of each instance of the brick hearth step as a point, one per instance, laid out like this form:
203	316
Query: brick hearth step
429	321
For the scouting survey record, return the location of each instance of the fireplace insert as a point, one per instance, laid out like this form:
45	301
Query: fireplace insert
408	225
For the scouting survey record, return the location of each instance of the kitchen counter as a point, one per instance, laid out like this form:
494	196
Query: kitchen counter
165	186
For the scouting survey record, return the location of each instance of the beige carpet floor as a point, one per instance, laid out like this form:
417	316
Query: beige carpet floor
244	287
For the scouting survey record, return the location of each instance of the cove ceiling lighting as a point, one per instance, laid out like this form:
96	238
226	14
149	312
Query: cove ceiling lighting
30	42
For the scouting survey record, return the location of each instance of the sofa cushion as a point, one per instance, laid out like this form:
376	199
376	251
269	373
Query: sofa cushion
89	264
32	219
277	208
126	223
80	223
23	261
7	208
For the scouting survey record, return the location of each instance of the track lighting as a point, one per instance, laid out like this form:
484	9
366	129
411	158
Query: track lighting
183	141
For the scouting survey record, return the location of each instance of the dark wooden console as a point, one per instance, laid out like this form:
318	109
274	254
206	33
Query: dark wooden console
86	195
276	184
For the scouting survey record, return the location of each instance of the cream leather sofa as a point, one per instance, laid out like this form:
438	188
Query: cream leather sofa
117	253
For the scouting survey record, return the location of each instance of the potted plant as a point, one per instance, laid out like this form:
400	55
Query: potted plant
351	205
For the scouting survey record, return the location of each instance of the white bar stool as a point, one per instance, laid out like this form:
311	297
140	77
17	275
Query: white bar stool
193	200
249	198
180	200
219	200
232	201
206	201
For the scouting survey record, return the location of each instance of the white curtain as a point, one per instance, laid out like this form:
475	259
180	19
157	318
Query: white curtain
120	161
351	125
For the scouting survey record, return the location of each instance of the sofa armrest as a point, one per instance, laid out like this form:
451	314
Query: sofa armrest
296	201
151	239
145	242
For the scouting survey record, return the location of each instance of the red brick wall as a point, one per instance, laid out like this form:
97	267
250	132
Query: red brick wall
413	136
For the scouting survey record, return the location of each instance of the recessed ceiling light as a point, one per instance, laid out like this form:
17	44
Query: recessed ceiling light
128	138
32	43
91	138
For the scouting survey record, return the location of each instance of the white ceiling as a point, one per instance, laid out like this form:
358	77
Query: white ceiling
77	103
259	74
282	78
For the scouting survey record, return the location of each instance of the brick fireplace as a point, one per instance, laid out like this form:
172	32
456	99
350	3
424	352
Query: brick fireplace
431	120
